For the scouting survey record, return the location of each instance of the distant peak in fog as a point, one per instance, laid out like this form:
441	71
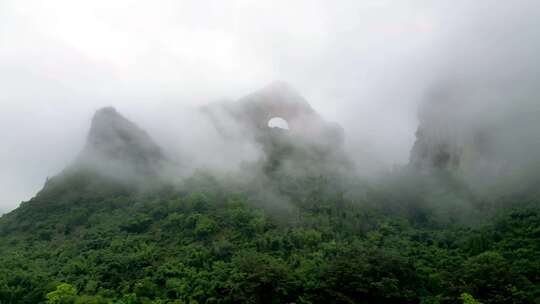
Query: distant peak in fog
282	94
114	143
110	132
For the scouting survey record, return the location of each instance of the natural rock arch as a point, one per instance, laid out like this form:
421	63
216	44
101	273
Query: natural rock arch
278	122
278	99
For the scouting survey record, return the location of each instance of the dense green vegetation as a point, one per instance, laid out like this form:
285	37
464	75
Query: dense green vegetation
86	240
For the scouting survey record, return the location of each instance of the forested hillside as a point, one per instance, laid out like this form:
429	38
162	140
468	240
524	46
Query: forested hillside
89	241
270	152
297	226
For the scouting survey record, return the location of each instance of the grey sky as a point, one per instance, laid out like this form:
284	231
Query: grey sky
365	64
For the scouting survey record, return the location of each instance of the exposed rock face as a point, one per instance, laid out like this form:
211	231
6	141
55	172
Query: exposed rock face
278	100
440	136
449	135
308	147
436	147
118	147
118	157
492	144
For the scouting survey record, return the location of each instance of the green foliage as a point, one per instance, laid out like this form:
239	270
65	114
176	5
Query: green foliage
468	299
308	240
63	294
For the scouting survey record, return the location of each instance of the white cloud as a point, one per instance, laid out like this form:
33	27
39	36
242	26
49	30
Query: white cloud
362	63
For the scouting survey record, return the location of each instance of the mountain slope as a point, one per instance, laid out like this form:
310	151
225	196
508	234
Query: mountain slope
218	246
118	148
293	227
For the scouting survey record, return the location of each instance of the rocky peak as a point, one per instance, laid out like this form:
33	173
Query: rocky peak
254	111
116	144
277	99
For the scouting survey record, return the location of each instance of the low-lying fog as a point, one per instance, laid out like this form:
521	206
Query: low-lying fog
367	65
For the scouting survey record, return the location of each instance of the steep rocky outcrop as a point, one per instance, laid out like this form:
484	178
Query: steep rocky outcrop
309	142
254	111
115	145
119	153
117	156
445	132
451	135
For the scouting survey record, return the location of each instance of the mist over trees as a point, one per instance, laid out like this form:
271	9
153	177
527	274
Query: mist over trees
397	163
130	222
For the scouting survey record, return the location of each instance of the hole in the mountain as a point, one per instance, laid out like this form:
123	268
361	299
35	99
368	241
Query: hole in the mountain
278	122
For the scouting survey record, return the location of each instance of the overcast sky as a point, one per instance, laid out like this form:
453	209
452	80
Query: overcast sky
363	63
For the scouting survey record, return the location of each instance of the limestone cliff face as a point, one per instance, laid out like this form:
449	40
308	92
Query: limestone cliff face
278	99
310	144
443	130
117	147
439	143
117	158
117	141
118	150
450	135
492	144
